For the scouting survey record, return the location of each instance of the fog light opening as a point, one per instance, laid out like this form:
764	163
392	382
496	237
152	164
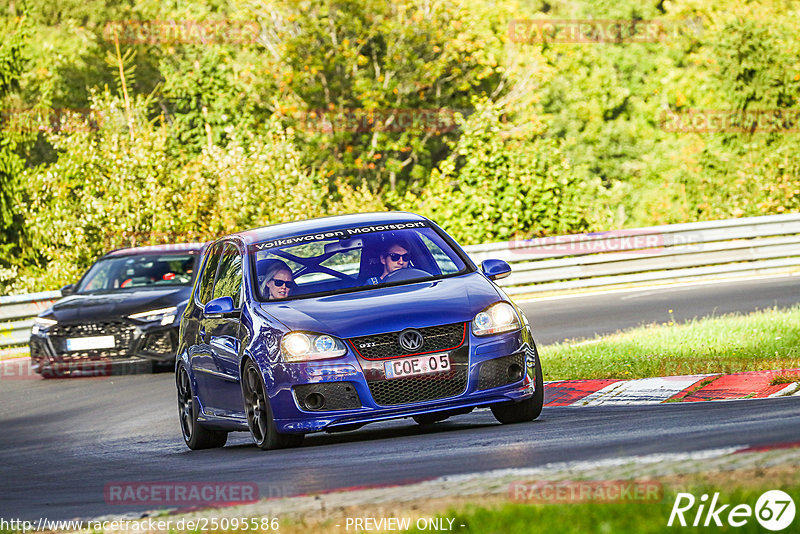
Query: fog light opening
315	401
514	372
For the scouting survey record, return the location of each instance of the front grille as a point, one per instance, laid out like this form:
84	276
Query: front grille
435	338
419	388
394	391
37	351
494	373
160	343
337	396
123	336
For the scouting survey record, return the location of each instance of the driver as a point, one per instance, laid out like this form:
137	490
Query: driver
278	280
394	257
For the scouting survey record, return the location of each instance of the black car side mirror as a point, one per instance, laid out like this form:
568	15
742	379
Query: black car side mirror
67	290
495	269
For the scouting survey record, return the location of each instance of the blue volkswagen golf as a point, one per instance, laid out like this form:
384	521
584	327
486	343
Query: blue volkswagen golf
332	323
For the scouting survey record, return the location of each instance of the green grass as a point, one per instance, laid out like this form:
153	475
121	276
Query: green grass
612	517
768	339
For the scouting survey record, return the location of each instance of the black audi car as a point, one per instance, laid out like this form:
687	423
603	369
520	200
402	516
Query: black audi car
122	316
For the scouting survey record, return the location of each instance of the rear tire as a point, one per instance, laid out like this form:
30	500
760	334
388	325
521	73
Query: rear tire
528	409
195	435
259	413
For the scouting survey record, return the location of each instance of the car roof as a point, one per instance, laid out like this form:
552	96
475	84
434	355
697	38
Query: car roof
156	249
323	224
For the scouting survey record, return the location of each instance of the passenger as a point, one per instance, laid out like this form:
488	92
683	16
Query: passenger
278	280
394	257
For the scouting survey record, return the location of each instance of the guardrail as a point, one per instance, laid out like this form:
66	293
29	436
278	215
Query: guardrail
672	253
16	318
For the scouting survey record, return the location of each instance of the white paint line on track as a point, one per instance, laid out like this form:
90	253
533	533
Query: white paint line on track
678	285
640	391
789	391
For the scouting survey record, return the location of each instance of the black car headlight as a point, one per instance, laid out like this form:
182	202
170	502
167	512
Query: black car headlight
306	346
166	316
41	323
497	318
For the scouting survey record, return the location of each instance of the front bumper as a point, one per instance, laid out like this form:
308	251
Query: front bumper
136	348
488	367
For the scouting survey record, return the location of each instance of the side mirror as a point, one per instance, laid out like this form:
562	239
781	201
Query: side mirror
219	307
68	290
495	269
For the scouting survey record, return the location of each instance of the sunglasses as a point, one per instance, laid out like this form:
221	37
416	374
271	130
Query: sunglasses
280	283
396	257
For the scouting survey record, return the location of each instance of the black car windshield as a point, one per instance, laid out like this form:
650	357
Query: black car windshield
136	271
353	259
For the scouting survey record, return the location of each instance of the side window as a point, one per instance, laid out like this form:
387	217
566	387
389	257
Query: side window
229	279
207	280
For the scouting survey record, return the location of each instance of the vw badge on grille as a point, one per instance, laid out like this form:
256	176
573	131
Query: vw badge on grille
410	339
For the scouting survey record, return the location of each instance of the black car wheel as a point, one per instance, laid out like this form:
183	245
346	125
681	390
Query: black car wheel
259	413
527	410
195	435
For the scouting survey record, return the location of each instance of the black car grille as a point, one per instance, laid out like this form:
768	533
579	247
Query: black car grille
160	343
123	336
495	373
334	396
435	338
38	352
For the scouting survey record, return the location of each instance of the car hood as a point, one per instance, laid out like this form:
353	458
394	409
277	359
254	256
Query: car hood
388	309
111	305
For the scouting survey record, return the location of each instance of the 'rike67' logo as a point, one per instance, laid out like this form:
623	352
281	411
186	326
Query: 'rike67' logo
774	510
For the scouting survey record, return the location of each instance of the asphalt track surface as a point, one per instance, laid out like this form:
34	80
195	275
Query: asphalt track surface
63	441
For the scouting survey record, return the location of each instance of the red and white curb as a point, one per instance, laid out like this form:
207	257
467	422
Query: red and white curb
691	388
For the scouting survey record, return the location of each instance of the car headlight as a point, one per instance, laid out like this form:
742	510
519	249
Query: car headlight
305	346
497	318
41	323
165	315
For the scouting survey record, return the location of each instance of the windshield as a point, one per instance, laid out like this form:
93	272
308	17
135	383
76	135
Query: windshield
353	259
125	272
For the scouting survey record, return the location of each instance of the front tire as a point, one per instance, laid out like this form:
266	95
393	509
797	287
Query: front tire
259	413
195	435
530	408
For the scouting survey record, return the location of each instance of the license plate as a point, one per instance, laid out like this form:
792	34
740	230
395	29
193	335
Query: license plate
420	365
89	343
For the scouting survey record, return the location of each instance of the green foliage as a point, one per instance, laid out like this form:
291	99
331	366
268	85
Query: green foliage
381	63
119	187
496	186
12	141
351	105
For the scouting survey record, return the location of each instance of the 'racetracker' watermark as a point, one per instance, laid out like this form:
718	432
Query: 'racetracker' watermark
21	369
59	120
597	31
175	32
186	493
774	510
387	120
731	121
634	241
564	491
